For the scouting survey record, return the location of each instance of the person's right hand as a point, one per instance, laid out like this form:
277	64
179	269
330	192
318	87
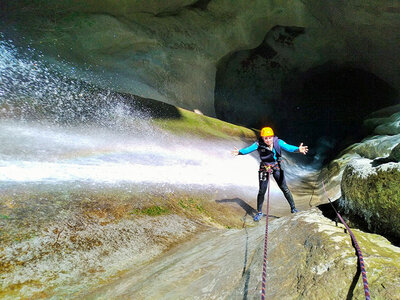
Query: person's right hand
235	152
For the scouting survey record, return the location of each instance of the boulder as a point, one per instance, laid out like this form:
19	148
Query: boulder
312	258
373	193
370	153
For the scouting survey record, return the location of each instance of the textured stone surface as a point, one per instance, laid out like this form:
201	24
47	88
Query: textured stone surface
372	152
385	121
374	194
170	50
74	253
395	154
168	54
308	257
376	146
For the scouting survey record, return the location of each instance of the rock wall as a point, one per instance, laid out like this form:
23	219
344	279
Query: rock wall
366	176
309	257
166	53
170	50
374	194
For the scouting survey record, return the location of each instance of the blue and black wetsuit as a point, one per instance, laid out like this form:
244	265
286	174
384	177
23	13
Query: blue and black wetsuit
271	159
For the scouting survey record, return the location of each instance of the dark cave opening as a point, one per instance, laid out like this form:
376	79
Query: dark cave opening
324	107
327	105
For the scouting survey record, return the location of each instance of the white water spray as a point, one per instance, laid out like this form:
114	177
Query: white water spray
35	153
57	130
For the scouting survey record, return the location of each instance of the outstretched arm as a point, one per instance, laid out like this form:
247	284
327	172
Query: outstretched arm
290	148
246	150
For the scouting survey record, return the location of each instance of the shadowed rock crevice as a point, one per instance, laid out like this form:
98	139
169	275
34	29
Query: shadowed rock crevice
353	220
200	4
331	101
323	103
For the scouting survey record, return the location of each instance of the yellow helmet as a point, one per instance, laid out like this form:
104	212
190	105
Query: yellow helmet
267	131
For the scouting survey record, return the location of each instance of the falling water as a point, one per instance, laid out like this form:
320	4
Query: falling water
55	129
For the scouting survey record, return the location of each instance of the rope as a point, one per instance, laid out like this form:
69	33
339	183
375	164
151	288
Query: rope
264	274
360	257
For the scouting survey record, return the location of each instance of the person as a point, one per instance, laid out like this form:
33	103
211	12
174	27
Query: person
269	148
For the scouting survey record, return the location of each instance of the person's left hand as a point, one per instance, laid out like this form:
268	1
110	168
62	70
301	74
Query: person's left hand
303	149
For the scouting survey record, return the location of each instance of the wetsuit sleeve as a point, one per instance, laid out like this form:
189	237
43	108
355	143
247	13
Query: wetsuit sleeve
287	147
249	149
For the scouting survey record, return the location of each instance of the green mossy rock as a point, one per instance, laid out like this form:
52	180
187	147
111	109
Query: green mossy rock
373	193
310	257
395	154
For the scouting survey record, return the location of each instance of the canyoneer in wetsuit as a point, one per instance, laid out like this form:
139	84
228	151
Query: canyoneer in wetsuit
269	148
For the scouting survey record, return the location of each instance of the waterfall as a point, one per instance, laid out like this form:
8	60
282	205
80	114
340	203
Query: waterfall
55	129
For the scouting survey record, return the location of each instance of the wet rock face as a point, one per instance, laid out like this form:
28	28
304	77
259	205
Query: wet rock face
368	173
162	51
171	50
374	194
310	257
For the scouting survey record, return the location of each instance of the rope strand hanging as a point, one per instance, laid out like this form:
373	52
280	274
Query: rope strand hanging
264	274
358	249
359	253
